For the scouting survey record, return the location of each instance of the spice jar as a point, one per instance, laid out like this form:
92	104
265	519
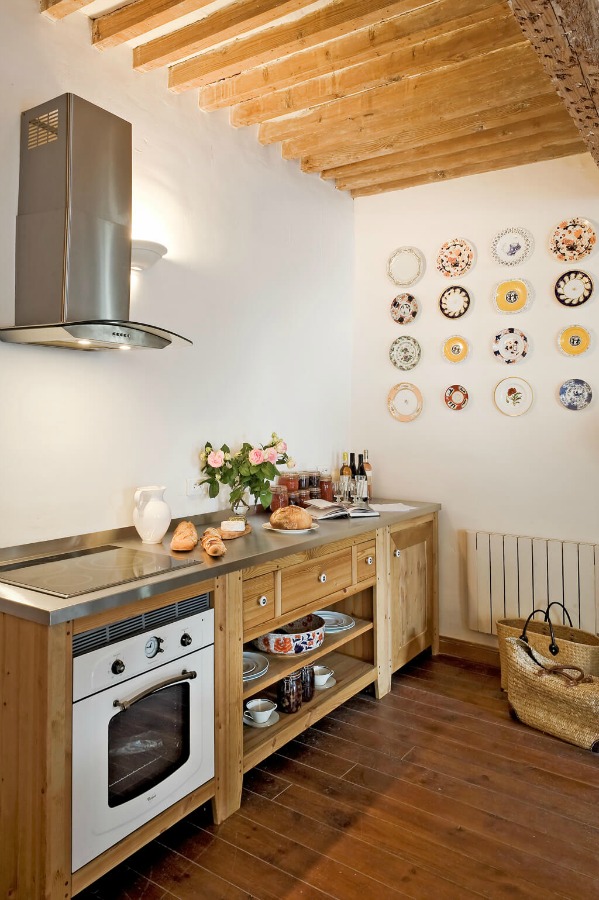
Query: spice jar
303	497
279	497
313	479
303	480
289	692
289	479
326	487
314	493
307	682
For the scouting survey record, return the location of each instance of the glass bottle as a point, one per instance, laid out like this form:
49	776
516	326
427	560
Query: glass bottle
345	468
368	470
279	496
326	487
352	465
307	682
289	692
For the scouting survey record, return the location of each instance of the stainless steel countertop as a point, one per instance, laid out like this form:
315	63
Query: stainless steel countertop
258	547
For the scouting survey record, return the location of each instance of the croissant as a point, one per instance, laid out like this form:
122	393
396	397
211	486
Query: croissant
212	542
185	536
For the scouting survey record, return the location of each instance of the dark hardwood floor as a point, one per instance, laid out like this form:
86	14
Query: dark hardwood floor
433	792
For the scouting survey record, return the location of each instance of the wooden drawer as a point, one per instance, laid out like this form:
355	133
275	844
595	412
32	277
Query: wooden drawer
255	592
315	579
366	559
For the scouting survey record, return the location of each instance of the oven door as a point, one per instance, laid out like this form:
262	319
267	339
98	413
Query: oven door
138	747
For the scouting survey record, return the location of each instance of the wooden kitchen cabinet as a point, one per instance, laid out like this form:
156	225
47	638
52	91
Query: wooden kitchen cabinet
413	589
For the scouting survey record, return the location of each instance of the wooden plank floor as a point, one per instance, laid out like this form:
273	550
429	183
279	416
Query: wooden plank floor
431	792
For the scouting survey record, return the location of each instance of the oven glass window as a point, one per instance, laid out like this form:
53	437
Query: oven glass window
147	742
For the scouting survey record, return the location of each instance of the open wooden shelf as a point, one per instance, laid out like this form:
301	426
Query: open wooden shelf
351	675
282	664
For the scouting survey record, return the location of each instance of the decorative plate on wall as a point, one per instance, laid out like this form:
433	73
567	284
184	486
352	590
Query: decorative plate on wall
513	296
456	397
513	396
456	257
510	345
574	341
404	402
456	348
573	288
512	246
573	239
405	352
405	266
454	302
575	394
404	309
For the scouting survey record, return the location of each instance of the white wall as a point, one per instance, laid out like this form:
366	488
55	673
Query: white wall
537	474
259	268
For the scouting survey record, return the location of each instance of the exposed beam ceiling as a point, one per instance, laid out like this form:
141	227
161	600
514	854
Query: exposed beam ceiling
378	95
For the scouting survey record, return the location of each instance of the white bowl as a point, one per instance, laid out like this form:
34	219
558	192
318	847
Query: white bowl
322	675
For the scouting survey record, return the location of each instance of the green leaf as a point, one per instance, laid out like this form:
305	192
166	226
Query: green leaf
214	488
265	498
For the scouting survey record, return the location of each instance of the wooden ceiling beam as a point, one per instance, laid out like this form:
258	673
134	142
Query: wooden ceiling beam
58	9
564	35
433	53
137	18
389	136
498	77
394	34
446	158
327	23
227	23
536	128
505	162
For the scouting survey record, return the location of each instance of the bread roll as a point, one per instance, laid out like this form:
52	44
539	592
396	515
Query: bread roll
212	543
291	518
185	537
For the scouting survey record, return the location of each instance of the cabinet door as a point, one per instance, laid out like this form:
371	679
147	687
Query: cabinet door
412	591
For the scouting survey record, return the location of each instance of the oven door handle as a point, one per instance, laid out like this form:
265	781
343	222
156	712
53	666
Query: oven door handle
184	676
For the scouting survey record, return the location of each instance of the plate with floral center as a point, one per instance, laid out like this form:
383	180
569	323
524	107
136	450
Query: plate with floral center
404	402
405	353
574	341
455	258
405	266
404	309
575	394
456	397
456	348
512	246
510	345
573	288
513	296
454	302
573	239
513	396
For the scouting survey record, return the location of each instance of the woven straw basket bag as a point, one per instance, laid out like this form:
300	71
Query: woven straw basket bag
574	646
563	703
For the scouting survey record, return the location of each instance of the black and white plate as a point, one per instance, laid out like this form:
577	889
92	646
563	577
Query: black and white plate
454	302
573	288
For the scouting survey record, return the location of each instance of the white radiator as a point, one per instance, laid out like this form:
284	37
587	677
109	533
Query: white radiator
509	576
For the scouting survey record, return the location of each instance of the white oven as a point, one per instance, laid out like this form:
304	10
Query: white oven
143	724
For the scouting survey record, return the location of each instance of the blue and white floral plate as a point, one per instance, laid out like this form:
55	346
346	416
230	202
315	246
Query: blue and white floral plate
575	394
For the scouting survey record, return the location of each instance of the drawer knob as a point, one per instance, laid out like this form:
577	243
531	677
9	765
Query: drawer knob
322	577
262	601
369	560
397	553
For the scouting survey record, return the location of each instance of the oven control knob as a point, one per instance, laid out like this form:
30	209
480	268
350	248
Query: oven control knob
153	647
118	667
185	639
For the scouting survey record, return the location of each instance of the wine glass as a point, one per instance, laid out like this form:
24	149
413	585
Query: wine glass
339	491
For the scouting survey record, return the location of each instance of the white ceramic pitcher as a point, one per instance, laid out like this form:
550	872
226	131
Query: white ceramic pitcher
152	514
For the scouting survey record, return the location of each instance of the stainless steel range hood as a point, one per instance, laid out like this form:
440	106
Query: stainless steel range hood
73	244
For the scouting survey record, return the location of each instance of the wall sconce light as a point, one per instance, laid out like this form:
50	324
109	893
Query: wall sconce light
144	254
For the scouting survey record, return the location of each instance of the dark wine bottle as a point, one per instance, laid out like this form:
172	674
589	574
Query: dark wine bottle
352	464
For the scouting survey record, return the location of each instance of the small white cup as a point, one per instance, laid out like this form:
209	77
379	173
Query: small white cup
260	710
322	675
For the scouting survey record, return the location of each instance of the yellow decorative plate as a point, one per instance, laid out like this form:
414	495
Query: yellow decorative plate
456	348
574	341
513	296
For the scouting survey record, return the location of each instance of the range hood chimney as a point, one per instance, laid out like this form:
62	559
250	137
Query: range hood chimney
73	245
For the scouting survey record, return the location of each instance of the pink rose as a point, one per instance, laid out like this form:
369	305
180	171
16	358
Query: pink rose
281	447
256	456
216	458
271	455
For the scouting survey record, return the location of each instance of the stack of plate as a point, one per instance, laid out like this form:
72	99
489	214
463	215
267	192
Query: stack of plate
335	621
254	665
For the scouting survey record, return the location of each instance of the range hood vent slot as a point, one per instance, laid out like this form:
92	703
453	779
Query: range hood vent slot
42	130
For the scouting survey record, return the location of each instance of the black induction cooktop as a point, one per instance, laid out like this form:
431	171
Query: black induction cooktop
83	571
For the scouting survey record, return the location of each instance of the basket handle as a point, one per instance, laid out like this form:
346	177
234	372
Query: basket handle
578	676
553	648
557	603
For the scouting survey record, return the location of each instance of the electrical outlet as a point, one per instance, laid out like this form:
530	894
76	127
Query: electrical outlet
192	487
